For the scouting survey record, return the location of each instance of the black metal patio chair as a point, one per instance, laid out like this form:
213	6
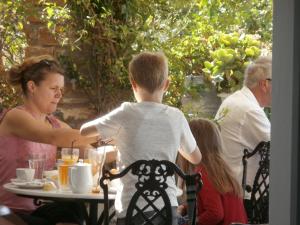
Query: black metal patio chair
151	187
257	207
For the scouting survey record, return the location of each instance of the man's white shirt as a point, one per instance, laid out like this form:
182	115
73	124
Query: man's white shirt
243	125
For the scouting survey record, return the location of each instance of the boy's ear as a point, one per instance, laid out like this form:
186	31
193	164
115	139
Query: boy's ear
166	84
133	84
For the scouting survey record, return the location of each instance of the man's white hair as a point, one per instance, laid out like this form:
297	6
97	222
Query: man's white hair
258	70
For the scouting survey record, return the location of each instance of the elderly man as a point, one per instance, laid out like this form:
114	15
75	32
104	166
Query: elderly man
242	119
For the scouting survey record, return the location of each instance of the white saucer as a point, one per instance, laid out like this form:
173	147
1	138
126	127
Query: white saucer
35	184
16	180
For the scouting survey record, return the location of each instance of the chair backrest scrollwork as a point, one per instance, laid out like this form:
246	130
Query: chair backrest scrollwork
150	189
258	206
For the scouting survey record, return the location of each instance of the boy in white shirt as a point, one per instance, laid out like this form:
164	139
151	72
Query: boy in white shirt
147	129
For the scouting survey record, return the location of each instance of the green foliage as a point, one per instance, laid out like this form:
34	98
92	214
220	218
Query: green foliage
12	44
9	97
249	17
108	33
230	53
12	36
100	36
268	112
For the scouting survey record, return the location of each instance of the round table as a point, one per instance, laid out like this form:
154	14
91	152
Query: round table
38	195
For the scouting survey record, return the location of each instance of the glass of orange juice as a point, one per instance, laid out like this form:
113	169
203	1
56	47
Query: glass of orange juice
69	156
63	176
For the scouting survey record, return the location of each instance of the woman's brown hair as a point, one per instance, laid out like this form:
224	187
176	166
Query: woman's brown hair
33	69
209	141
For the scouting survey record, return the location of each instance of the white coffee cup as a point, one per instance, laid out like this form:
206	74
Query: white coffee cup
25	174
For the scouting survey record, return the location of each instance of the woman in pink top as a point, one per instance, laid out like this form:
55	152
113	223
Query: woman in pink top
31	127
220	200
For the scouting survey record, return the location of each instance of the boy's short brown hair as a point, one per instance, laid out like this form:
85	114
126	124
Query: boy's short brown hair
148	70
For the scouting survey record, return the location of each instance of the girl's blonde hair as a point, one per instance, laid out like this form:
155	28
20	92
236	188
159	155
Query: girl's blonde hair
209	141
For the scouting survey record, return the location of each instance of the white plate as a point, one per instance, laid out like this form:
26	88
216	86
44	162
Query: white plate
16	180
36	184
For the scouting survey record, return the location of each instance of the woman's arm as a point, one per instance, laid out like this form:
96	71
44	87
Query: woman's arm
82	149
22	124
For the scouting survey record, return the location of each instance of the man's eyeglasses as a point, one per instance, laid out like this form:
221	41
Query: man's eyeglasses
269	79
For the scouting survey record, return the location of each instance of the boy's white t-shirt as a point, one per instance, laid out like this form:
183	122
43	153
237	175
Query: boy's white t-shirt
145	130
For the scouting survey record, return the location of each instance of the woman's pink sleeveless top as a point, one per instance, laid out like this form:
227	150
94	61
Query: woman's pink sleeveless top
14	153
